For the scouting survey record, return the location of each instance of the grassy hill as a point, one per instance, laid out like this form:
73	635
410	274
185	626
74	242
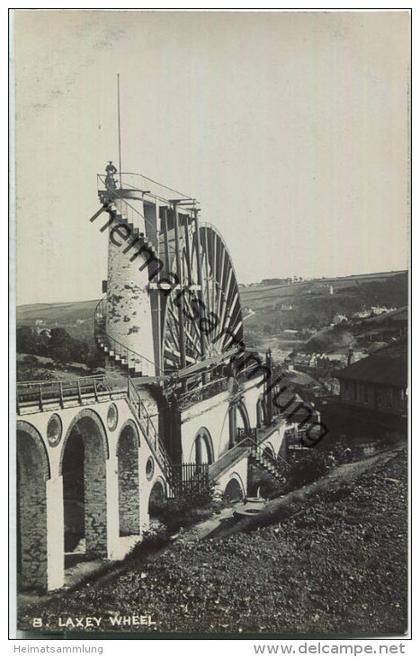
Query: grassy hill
270	308
75	316
362	334
281	312
261	293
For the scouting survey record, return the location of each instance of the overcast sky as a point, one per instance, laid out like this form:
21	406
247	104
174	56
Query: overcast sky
290	128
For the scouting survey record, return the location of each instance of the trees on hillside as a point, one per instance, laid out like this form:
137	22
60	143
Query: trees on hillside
57	344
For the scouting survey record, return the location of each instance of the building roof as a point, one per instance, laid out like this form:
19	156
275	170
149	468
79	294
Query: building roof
301	378
400	315
387	366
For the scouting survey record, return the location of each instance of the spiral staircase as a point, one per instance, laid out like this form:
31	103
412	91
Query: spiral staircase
123	214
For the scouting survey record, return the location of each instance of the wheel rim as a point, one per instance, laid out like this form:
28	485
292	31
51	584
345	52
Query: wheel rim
221	321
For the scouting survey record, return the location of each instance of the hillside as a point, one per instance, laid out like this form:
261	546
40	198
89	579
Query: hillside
265	295
337	567
367	334
300	308
285	316
75	316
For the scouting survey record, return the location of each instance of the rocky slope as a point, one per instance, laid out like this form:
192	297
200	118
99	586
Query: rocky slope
338	566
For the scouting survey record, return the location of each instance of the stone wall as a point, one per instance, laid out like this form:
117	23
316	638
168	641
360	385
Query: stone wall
32	512
128	483
95	497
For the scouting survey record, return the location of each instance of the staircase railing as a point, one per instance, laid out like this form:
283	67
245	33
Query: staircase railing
264	455
132	358
127	211
148	428
252	438
186	478
122	206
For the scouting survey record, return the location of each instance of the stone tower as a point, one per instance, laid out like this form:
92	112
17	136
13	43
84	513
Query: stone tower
128	324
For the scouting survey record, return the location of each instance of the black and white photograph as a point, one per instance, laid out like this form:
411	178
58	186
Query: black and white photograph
212	219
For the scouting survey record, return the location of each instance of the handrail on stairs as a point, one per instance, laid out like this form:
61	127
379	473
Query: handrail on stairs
116	197
149	430
257	448
132	357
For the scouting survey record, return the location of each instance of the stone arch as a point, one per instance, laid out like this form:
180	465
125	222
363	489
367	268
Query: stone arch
238	415
83	458
133	425
33	472
95	417
160	480
234	489
269	449
202	449
243	412
128	480
157	496
26	427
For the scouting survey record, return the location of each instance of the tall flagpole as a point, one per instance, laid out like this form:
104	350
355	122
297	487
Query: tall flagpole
119	127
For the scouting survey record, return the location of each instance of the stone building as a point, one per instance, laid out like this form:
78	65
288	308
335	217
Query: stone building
373	395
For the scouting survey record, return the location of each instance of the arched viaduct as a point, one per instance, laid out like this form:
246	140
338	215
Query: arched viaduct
88	468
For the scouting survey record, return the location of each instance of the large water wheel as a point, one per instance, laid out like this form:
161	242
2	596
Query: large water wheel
209	322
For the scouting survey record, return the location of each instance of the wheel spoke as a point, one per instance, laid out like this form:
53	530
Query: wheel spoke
220	296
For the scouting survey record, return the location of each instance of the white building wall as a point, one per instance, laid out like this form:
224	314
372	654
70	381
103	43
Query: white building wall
129	315
213	414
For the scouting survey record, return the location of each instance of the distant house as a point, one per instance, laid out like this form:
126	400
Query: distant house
362	314
372	400
339	319
379	310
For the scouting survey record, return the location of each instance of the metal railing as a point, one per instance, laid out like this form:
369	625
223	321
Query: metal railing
131	215
118	198
203	392
189	478
255	437
148	428
40	393
143	184
215	387
264	456
128	357
182	477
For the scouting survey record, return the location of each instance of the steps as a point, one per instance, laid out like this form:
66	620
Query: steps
123	215
131	362
269	464
149	430
182	478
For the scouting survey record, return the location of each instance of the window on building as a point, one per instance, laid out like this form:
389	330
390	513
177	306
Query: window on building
388	398
366	393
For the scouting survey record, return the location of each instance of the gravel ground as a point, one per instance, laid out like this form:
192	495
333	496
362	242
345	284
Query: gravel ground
337	567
